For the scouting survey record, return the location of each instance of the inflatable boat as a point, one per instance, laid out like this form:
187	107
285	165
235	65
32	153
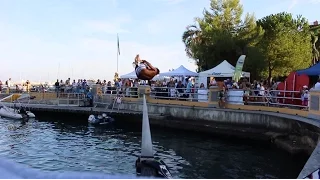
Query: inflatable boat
100	119
8	113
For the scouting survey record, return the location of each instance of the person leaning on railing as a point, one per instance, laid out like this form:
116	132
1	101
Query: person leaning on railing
202	93
246	95
179	88
304	96
127	88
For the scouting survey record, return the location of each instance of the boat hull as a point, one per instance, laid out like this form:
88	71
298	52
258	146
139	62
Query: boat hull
9	114
29	113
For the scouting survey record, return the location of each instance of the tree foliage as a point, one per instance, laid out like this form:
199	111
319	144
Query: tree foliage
274	45
285	43
315	33
220	34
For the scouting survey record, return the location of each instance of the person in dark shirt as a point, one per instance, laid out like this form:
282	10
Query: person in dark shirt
179	87
57	85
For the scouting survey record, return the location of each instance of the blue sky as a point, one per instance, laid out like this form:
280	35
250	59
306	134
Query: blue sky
80	35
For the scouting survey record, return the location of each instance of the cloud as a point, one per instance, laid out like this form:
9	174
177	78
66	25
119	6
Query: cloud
171	2
114	3
314	1
106	27
110	26
293	4
171	22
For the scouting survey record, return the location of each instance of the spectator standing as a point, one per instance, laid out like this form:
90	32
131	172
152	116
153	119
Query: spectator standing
57	85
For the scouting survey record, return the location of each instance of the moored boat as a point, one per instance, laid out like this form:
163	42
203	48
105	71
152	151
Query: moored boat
15	112
7	113
23	111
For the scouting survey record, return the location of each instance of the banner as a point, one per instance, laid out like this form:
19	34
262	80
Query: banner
238	70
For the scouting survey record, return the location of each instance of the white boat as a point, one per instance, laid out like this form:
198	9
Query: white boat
25	97
29	113
8	113
15	113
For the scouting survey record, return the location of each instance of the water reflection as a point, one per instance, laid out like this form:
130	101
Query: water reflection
114	149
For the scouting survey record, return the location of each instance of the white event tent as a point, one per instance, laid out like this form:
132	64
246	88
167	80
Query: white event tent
180	71
224	69
131	75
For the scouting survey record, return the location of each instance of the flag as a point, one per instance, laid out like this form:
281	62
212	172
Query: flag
118	44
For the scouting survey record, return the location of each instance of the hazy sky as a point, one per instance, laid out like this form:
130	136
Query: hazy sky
81	35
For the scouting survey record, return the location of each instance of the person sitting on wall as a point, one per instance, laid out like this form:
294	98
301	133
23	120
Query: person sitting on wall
144	70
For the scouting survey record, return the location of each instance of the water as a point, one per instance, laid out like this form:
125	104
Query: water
60	146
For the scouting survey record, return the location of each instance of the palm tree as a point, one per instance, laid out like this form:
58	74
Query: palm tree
315	33
191	36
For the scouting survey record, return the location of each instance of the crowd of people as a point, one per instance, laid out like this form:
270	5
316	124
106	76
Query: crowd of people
260	92
265	93
24	87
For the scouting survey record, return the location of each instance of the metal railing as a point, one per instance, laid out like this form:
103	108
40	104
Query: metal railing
184	94
105	99
71	99
273	98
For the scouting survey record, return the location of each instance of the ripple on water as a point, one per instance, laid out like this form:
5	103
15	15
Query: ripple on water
59	146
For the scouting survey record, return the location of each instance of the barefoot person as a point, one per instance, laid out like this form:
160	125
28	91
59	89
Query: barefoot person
144	70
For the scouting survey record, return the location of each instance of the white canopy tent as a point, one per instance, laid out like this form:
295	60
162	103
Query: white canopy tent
180	71
133	75
224	69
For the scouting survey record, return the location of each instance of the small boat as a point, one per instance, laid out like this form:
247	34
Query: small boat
23	111
15	112
8	113
27	98
100	119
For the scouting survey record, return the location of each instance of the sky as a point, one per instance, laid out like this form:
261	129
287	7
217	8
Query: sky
42	40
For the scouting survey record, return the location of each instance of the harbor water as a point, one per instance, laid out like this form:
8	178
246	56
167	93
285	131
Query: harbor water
54	145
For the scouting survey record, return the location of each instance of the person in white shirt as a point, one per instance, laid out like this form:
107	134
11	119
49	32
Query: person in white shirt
9	82
74	86
317	85
262	93
262	90
306	99
213	82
